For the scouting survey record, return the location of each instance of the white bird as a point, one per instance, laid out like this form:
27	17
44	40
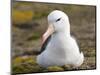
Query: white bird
59	47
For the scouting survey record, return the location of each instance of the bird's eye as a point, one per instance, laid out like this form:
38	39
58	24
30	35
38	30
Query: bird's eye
58	19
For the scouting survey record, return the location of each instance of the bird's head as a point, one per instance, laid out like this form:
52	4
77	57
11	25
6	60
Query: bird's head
57	22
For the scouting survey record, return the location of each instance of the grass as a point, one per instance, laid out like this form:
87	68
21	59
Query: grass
28	64
20	17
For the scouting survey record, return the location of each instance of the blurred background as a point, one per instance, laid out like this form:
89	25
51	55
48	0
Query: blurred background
29	22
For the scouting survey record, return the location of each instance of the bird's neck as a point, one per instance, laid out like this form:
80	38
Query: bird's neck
62	33
65	31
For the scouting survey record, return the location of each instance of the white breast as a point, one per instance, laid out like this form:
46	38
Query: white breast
60	51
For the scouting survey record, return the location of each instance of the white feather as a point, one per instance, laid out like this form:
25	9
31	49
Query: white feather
62	48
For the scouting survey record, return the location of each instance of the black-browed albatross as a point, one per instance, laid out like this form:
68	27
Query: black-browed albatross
59	47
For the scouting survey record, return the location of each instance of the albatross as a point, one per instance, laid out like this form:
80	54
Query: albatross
58	46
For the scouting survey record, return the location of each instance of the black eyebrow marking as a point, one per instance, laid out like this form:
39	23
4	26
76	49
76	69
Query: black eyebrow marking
58	19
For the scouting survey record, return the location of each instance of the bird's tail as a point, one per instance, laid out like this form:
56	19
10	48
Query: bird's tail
81	59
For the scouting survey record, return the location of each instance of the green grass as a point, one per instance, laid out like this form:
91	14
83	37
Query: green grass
28	64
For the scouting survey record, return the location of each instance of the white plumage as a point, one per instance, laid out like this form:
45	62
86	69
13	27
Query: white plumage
62	48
